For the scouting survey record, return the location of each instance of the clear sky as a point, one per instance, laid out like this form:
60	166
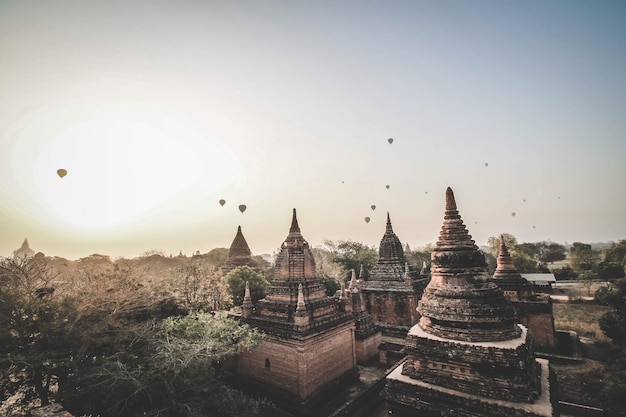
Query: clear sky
159	109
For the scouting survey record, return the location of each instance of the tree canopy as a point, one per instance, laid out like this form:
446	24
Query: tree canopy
351	255
236	280
110	338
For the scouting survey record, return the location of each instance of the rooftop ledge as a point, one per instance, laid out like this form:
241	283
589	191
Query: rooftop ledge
504	344
541	407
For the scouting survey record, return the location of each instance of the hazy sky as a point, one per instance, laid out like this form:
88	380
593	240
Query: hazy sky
159	109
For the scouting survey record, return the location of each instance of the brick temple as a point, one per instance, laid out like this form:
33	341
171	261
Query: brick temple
393	288
534	310
467	356
310	344
239	254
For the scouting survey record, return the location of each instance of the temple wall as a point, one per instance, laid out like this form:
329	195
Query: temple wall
301	367
541	329
393	308
367	348
490	370
537	316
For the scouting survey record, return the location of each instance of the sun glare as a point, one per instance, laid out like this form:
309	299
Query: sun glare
114	170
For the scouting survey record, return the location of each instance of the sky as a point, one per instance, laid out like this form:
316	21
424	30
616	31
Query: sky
159	109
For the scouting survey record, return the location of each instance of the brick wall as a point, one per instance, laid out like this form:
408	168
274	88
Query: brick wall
302	367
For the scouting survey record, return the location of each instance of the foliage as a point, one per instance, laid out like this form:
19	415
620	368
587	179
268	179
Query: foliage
609	271
494	243
616	253
419	256
564	273
613	323
527	257
582	257
351	255
164	367
329	283
264	267
104	339
35	324
217	256
203	288
542	253
236	281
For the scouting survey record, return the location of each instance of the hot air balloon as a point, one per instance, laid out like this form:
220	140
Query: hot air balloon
390	140
61	172
486	164
387	186
222	202
367	220
513	214
373	206
242	207
425	192
534	227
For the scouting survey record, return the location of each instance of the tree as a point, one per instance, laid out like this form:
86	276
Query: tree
35	328
542	253
236	281
523	254
217	256
350	255
167	366
203	287
419	256
582	257
494	243
614	263
613	323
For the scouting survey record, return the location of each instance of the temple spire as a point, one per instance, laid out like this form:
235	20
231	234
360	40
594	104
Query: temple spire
507	277
247	302
461	301
353	284
294	223
301	317
450	201
362	273
388	227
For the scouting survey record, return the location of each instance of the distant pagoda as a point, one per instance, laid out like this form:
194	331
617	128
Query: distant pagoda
534	311
393	287
24	251
467	356
310	342
239	254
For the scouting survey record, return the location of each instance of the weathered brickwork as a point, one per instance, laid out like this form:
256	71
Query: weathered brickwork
301	367
239	254
534	311
393	287
311	342
467	355
368	336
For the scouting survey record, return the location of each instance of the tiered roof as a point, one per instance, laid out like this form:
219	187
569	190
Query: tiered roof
461	301
507	277
296	302
239	254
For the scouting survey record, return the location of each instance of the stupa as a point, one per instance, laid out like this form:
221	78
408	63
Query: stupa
534	310
310	344
239	254
467	356
393	288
